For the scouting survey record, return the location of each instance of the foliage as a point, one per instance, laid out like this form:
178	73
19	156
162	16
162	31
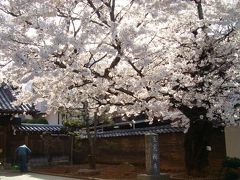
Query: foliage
74	114
231	175
73	123
14	167
231	165
231	162
76	119
35	121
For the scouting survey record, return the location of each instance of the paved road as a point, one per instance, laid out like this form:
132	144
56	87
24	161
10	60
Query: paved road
11	175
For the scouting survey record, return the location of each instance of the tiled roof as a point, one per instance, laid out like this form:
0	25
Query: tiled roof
138	131
38	128
56	129
6	99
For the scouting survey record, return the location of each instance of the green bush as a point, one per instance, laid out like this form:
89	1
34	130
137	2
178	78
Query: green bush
231	165
14	167
73	123
35	121
231	175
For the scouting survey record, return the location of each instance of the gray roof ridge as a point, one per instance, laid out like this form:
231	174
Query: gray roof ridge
49	125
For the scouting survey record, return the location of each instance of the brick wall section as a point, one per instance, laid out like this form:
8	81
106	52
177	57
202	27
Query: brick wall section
59	146
172	152
131	149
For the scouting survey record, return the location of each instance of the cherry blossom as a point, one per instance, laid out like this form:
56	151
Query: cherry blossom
127	56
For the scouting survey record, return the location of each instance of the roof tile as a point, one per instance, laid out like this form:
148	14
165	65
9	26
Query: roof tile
135	132
38	128
6	99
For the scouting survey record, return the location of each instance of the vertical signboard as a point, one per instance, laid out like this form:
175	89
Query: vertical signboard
152	154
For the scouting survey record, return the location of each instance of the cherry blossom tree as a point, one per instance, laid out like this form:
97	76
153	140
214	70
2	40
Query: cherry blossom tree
128	56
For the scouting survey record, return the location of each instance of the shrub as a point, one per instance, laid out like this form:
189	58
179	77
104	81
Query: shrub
35	121
231	165
231	175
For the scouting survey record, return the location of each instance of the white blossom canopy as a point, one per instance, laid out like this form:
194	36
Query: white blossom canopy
126	55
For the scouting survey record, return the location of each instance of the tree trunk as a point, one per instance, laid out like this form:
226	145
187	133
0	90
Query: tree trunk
92	142
196	141
91	138
92	156
199	9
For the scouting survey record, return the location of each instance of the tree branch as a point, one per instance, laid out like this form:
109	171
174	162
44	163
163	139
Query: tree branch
199	8
97	12
112	11
139	72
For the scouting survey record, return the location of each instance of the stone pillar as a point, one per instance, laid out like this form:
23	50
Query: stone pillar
152	154
152	160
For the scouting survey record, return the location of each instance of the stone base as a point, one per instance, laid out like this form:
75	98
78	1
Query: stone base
161	176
